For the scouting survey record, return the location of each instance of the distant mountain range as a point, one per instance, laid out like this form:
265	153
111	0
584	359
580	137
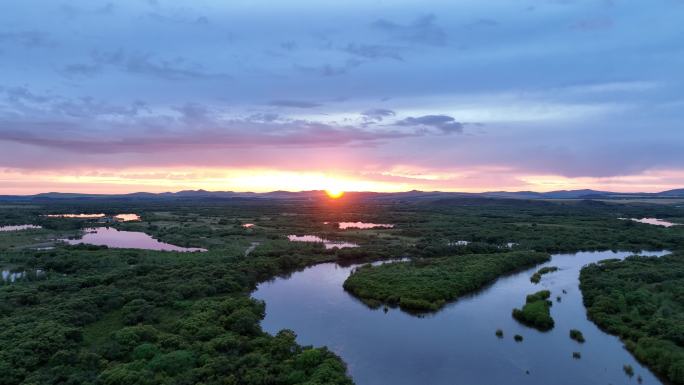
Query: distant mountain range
306	195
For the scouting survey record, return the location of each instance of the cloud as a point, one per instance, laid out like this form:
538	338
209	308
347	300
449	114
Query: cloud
293	103
373	51
289	45
593	24
81	69
264	117
88	107
330	70
141	63
422	30
112	138
29	39
193	113
445	123
484	23
377	114
20	94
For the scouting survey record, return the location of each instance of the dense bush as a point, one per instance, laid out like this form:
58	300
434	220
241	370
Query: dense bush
536	311
642	300
577	335
426	285
536	277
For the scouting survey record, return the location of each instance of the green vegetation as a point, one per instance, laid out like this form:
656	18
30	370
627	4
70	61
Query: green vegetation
641	300
499	333
577	335
576	355
137	317
428	284
536	311
112	316
536	277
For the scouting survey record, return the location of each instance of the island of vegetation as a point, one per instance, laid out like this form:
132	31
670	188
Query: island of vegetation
641	299
577	335
536	311
428	284
536	277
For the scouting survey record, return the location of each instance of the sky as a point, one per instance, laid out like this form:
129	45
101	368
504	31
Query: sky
459	95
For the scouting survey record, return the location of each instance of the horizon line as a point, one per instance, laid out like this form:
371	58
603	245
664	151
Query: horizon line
346	192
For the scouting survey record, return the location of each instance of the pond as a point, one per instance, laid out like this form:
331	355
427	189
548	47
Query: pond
79	216
117	217
363	225
111	237
315	239
457	345
126	217
652	221
19	227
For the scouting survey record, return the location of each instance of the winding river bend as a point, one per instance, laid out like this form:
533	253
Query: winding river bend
457	345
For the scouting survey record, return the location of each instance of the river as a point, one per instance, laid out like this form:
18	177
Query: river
456	345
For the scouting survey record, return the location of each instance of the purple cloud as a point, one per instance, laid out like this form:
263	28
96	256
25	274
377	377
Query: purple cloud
445	123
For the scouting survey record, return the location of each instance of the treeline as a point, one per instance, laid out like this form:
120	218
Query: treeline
428	284
641	299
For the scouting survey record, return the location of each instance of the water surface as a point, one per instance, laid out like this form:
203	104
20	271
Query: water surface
456	345
363	225
19	227
127	217
316	239
79	216
111	237
652	221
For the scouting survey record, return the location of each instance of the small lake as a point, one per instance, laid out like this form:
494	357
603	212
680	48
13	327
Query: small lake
456	345
652	221
117	217
19	227
315	239
127	217
111	237
364	225
79	216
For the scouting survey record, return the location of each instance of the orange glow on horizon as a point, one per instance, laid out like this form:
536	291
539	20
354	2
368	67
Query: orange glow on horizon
334	193
334	182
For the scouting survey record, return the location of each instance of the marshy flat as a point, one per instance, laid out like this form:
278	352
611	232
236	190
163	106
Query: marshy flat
316	239
19	227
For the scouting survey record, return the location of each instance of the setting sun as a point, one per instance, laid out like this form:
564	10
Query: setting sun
334	193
